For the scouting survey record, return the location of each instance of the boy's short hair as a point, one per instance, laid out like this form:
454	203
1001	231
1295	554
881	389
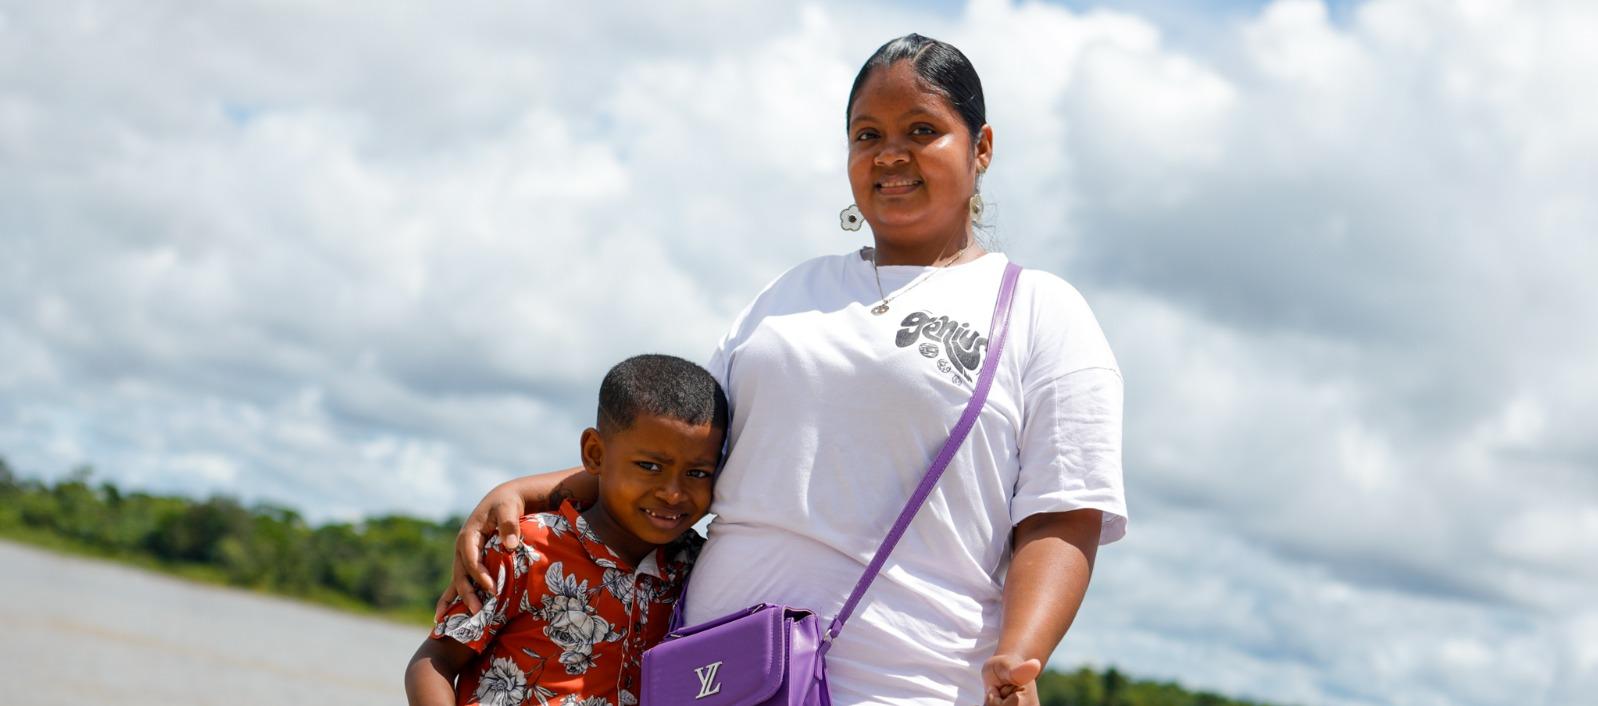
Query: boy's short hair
661	385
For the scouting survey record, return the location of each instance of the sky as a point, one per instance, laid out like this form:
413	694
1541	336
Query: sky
358	258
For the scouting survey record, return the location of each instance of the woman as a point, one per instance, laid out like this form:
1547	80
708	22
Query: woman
846	374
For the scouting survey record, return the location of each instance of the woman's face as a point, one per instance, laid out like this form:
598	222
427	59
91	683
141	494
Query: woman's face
912	163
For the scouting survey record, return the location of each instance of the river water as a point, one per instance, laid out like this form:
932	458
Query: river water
78	631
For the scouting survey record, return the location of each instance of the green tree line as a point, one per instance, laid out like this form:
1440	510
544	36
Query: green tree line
391	564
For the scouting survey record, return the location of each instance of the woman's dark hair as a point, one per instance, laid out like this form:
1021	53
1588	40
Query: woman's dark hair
940	66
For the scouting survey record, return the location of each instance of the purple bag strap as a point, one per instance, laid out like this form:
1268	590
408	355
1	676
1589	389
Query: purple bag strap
998	331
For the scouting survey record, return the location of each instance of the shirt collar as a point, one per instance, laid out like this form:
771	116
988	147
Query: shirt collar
601	553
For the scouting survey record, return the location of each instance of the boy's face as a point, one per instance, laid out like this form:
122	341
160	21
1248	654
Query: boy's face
655	478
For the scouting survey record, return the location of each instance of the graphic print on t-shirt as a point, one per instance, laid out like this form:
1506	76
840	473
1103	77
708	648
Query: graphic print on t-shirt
955	346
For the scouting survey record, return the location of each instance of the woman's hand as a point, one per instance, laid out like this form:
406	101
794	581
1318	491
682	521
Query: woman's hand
499	511
1009	680
1050	565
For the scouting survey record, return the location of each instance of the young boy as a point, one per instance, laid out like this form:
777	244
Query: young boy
576	604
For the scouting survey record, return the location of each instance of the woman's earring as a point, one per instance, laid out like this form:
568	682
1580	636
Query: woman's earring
976	206
850	218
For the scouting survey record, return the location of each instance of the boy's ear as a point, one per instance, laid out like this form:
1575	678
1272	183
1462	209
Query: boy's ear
593	450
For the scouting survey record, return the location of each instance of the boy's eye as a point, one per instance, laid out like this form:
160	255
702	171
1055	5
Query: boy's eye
650	466
700	473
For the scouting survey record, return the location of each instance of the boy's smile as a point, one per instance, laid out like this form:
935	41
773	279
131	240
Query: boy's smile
666	520
655	480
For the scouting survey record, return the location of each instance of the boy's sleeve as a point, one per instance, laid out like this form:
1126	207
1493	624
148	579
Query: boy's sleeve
511	569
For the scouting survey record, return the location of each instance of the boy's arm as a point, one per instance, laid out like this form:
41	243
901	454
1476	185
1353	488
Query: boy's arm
430	677
501	511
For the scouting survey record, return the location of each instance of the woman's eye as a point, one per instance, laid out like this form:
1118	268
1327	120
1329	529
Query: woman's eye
922	130
865	135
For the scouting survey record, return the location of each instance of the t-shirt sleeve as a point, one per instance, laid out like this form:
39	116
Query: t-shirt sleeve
720	367
511	569
721	359
1073	398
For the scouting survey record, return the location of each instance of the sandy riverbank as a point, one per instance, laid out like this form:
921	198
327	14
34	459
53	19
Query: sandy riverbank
83	631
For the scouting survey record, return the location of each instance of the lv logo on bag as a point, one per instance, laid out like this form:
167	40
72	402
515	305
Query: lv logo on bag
707	680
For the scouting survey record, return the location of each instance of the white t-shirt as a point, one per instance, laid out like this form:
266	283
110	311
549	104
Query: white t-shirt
836	414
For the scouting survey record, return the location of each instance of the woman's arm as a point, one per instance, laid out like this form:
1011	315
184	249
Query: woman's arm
430	676
1048	577
501	511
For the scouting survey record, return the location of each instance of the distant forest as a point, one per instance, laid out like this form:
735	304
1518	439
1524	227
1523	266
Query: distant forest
392	565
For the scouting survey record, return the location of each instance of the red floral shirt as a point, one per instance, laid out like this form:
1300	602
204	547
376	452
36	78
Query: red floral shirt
568	617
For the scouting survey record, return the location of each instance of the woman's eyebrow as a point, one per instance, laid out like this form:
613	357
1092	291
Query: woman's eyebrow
918	110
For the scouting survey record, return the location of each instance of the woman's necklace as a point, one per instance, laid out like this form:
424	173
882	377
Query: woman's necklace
882	308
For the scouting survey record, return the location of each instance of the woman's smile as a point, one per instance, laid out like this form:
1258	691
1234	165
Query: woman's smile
897	186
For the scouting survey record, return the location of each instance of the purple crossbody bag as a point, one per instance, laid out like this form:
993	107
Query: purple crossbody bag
774	655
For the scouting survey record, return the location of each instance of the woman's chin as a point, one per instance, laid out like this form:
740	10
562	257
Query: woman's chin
889	219
906	228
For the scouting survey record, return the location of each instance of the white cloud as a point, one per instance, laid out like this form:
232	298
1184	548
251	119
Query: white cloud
358	262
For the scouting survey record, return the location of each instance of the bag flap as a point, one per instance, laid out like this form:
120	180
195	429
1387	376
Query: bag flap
735	660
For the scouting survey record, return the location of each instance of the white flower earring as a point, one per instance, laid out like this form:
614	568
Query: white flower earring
850	218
